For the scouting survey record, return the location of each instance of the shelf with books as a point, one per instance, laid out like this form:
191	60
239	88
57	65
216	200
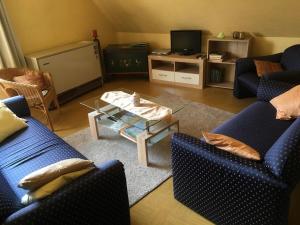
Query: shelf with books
229	62
222	55
220	75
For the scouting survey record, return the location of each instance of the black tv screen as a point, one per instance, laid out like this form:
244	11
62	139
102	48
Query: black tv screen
186	42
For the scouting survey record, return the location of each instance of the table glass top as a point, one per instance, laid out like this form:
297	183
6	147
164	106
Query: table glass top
121	117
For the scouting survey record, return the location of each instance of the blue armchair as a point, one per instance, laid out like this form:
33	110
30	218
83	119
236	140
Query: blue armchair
246	79
228	189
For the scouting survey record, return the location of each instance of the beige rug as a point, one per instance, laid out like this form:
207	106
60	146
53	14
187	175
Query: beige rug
141	180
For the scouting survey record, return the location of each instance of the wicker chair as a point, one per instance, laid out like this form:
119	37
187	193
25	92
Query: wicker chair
35	97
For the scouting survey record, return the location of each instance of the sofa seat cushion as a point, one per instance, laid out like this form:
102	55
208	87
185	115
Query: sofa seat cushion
27	151
255	126
8	202
249	81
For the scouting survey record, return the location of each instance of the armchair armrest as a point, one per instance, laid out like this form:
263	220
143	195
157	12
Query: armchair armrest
225	188
283	158
99	197
18	105
244	65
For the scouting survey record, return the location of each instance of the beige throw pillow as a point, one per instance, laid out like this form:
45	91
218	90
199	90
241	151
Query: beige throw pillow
287	104
53	186
231	145
44	175
265	67
9	122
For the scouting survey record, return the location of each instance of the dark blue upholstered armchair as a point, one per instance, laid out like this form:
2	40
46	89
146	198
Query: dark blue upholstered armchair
97	198
230	190
246	79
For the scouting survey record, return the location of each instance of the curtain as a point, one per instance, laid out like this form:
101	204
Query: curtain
11	54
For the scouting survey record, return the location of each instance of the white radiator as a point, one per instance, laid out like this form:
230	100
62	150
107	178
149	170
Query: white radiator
71	65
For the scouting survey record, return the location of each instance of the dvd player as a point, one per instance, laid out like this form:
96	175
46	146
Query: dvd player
161	51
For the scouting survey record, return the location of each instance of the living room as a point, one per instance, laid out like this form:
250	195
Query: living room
149	112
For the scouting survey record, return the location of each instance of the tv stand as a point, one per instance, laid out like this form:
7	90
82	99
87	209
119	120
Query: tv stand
179	70
185	53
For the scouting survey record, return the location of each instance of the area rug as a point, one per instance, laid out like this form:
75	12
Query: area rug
141	180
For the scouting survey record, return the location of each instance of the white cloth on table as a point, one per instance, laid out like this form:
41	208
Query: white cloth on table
147	109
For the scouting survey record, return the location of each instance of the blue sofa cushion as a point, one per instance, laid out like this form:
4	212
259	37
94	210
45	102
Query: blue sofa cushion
256	126
283	158
27	151
250	81
290	59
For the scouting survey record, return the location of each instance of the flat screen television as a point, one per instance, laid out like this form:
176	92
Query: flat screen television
186	42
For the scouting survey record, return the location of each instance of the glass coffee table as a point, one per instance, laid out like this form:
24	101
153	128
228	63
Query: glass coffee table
139	130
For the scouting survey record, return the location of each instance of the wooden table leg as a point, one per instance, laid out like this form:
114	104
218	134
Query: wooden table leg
93	116
142	149
146	136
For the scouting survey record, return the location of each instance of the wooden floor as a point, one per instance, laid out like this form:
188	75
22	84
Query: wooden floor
159	207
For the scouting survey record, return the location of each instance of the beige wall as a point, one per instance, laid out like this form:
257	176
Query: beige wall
261	45
268	18
274	23
269	45
42	24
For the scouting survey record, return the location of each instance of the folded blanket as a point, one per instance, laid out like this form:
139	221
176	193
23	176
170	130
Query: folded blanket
147	109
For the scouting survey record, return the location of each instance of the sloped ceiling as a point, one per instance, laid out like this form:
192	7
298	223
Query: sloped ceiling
272	18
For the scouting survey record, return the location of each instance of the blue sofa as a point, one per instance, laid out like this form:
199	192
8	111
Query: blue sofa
228	189
246	80
97	198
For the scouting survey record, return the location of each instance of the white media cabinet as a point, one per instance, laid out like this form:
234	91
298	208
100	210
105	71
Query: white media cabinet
187	71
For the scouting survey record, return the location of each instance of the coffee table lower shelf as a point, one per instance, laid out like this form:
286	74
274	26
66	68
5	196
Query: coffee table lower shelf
144	138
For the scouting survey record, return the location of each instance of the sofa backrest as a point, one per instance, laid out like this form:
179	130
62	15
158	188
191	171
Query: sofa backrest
290	59
283	158
269	89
